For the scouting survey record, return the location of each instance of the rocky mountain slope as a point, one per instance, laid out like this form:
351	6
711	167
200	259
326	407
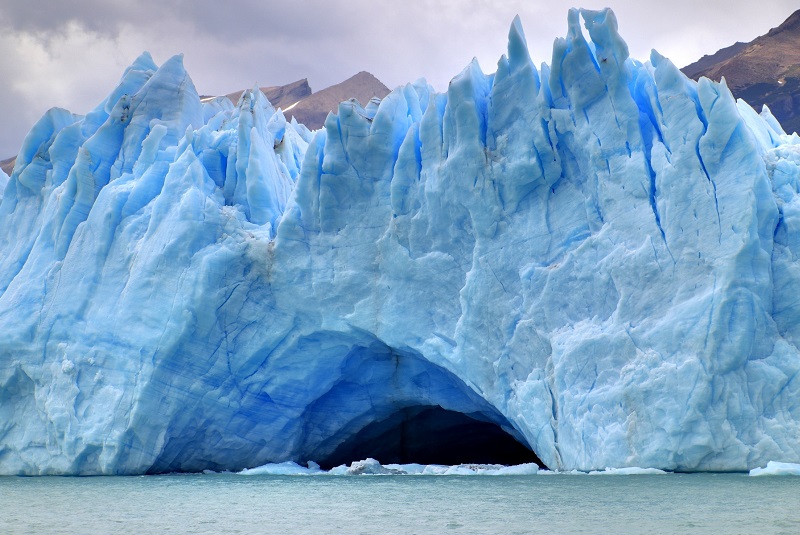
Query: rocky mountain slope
7	165
298	101
763	71
313	110
280	96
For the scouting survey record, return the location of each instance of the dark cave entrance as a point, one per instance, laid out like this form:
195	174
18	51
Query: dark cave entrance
428	434
337	398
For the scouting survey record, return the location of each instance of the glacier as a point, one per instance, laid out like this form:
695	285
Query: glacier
599	256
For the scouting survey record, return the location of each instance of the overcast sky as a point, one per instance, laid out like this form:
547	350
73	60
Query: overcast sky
71	53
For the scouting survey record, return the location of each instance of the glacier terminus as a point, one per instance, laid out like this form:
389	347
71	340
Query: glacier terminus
598	256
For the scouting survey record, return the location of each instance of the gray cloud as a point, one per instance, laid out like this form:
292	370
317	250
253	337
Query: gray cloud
48	16
71	54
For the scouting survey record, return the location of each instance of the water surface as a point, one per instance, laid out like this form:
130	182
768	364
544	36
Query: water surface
230	503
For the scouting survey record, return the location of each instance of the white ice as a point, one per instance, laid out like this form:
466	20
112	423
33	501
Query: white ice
373	467
775	468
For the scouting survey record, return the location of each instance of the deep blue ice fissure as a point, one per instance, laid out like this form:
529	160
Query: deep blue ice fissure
599	256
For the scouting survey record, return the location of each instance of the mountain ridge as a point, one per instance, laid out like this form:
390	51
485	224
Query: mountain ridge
280	96
764	71
298	101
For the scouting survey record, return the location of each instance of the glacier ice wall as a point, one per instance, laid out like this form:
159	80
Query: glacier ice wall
599	255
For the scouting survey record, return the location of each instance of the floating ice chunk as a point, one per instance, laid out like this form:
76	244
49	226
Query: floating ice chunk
370	466
628	471
412	469
527	469
460	470
340	470
775	468
289	468
435	470
471	469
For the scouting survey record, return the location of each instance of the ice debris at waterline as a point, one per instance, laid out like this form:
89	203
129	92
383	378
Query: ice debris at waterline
775	468
598	256
373	467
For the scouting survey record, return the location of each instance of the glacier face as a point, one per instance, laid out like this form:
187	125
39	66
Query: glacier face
598	255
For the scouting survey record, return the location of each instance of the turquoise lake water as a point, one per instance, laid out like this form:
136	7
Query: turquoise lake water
230	503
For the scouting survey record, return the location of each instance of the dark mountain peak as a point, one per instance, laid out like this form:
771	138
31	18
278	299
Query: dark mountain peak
8	165
358	86
792	24
298	101
706	62
764	71
363	75
313	110
280	96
